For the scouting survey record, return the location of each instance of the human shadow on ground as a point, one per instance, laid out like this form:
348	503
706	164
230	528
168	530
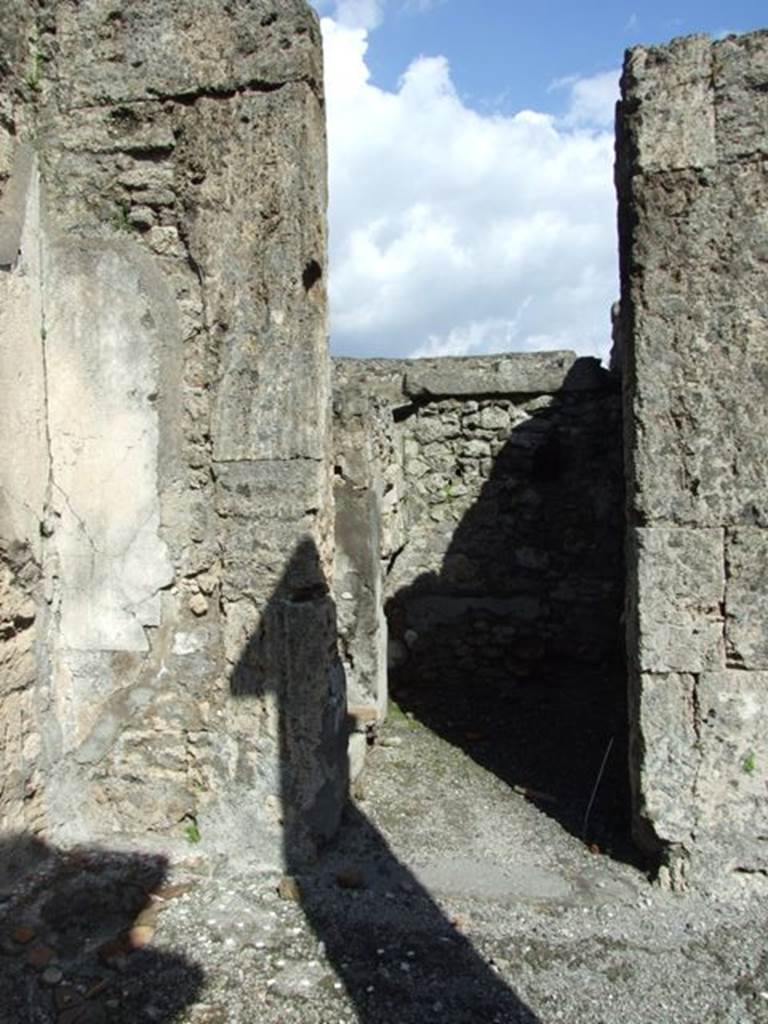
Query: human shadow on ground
73	931
515	647
395	951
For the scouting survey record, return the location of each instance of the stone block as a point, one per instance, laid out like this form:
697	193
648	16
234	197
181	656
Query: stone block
257	559
733	778
167	50
699	361
281	490
493	417
740	77
669	104
666	760
679	599
94	129
268	309
746	601
518	374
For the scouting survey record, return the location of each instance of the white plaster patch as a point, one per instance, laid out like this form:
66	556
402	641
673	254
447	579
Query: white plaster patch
101	346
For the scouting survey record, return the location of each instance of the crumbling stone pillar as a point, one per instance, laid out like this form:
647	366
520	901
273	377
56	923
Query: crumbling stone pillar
693	195
165	425
367	488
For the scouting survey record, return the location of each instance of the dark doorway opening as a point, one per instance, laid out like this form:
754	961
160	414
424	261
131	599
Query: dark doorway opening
512	647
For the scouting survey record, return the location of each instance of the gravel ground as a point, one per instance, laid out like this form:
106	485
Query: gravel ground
448	897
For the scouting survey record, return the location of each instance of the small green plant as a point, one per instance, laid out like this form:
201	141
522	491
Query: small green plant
120	220
396	714
748	765
192	832
34	75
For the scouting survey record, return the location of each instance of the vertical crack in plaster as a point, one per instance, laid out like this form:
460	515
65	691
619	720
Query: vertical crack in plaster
50	728
60	490
48	513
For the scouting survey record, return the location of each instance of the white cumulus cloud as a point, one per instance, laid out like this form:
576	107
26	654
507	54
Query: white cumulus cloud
365	14
368	14
591	100
458	232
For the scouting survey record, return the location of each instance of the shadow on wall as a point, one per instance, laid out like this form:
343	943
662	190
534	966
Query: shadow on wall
361	902
514	649
68	921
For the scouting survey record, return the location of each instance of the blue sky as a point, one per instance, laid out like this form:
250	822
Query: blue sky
471	168
502	49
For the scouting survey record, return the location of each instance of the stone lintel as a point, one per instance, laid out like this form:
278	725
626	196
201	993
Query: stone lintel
514	373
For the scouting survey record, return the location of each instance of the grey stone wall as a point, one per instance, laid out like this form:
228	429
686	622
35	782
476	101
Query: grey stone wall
496	489
691	162
169	645
165	482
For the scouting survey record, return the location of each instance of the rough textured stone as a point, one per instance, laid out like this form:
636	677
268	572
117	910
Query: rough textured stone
679	599
663	708
495	556
740	74
20	767
363	479
162	308
674	86
745	598
168	637
172	50
692	129
693	280
698	464
733	774
512	374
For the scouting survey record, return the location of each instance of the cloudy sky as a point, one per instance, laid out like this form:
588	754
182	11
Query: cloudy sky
471	154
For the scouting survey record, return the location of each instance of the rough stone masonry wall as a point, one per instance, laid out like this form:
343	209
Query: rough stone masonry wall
693	192
481	500
167	641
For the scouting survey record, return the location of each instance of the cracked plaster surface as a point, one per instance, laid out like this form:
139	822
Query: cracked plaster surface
102	374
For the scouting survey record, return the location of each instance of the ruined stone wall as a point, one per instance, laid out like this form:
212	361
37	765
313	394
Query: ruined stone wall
168	640
166	526
494	485
693	192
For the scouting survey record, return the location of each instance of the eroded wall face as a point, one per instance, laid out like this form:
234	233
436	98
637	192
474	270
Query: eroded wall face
693	193
496	490
166	497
